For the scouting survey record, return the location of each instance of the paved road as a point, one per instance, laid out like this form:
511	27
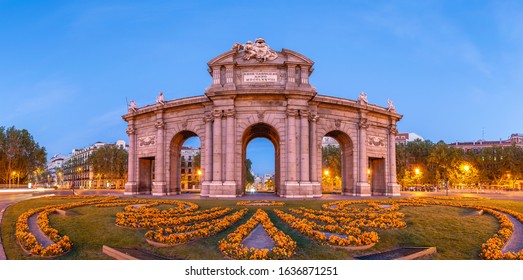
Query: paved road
7	198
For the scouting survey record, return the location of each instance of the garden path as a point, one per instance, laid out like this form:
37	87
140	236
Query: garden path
259	239
40	236
515	243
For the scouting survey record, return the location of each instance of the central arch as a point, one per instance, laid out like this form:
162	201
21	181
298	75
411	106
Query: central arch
262	130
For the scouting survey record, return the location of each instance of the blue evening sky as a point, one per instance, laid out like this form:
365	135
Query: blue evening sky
453	68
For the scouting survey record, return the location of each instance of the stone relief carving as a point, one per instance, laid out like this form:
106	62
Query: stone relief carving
159	124
363	123
376	141
261	116
337	123
259	50
184	125
146	141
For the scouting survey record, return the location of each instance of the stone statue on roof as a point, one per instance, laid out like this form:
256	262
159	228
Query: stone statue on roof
362	99
160	99
390	105
132	107
259	50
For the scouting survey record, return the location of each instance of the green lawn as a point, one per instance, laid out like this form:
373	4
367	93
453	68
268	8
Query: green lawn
455	234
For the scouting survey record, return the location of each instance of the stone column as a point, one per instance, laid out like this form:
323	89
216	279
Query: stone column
230	183
291	146
207	161
304	147
393	188
362	186
316	184
131	187
216	186
291	186
306	189
217	147
159	184
304	75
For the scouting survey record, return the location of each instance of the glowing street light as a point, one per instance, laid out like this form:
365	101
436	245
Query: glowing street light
466	168
326	172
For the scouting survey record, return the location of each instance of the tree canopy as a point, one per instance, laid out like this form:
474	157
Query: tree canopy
20	155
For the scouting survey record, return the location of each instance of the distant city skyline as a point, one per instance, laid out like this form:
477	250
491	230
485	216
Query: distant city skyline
452	68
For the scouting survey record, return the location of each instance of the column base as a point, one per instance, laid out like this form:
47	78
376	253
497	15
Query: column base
316	189
393	189
131	188
159	188
222	190
204	191
362	189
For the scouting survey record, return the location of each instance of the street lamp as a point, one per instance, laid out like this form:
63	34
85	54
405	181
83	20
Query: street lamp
417	172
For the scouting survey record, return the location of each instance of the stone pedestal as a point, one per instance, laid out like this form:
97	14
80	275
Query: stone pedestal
204	191
131	188
316	189
393	189
159	188
362	189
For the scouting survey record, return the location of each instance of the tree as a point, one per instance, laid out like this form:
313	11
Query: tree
331	160
109	162
248	174
20	155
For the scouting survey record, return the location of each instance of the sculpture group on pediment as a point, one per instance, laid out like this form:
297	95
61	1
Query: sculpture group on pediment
259	50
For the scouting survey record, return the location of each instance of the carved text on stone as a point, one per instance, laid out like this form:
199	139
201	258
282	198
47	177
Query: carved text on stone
260	77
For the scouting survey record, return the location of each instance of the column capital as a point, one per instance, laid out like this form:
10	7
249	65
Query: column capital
393	130
130	130
314	117
208	118
217	114
159	124
363	124
230	113
305	114
291	113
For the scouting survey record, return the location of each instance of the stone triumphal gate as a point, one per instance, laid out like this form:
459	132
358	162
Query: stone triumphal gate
258	92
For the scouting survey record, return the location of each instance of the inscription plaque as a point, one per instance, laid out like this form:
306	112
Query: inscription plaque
260	77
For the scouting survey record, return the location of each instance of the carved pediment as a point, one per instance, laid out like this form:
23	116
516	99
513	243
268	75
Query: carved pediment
258	67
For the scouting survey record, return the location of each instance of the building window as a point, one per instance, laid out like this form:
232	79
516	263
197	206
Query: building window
189	164
183	170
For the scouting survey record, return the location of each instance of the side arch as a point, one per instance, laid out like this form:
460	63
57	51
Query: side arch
348	168
175	153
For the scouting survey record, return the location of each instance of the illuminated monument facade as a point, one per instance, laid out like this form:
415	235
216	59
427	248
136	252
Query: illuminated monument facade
258	92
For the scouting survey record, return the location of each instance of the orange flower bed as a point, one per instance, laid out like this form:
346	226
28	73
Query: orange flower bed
260	203
185	233
62	244
146	217
232	246
354	235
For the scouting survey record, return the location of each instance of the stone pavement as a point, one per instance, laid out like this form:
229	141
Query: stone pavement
515	243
